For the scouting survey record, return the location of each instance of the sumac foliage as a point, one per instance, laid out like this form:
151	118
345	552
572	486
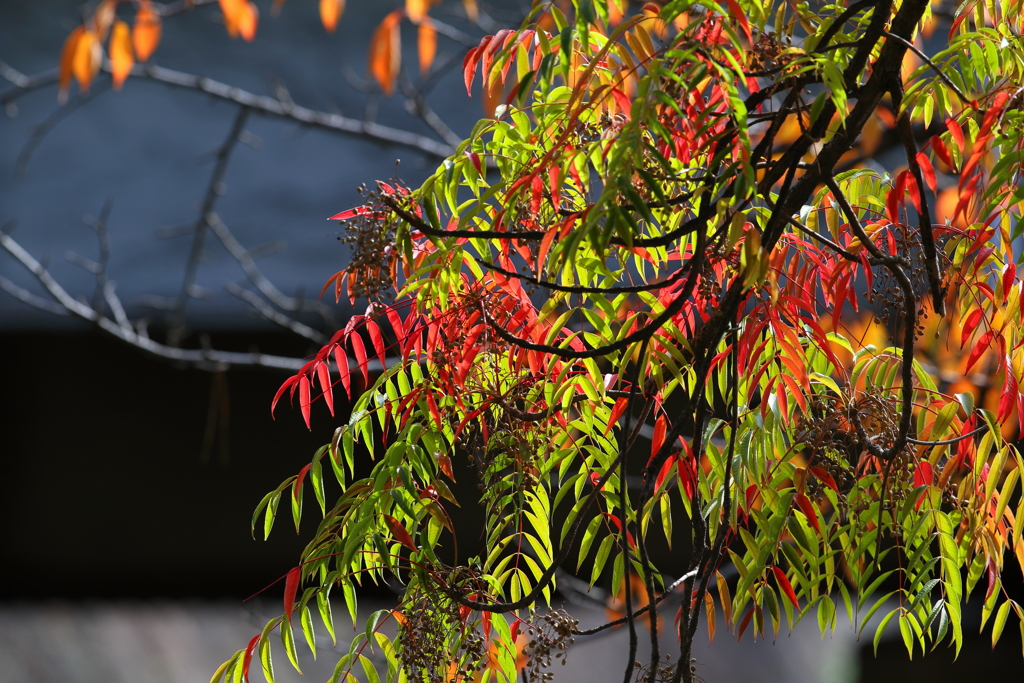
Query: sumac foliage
638	290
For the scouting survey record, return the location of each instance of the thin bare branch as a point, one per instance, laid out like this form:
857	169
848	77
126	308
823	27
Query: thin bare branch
264	309
205	359
213	191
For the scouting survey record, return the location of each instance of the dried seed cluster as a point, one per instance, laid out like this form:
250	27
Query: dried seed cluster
551	635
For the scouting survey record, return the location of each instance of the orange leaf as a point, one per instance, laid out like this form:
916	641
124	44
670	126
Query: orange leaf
122	58
330	12
231	9
87	59
67	59
614	12
386	52
471	9
416	10
427	46
399	532
145	32
248	20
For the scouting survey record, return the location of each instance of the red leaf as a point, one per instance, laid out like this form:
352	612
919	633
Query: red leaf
360	350
1008	398
1009	275
807	508
924	475
299	479
537	188
786	586
324	377
940	151
914	190
247	659
280	392
474	158
658	438
399	532
824	477
378	341
514	630
486	619
617	410
469	63
972	322
496	43
979	348
623	102
434	412
892	203
739	15
304	399
957	132
291	587
665	469
341	359
926	170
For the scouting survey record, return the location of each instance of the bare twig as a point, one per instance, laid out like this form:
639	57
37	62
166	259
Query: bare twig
205	359
270	106
40	130
264	309
213	191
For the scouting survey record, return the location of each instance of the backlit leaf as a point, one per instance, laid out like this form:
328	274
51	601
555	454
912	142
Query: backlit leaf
330	13
386	52
145	31
122	57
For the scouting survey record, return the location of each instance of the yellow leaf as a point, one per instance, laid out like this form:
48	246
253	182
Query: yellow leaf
87	59
386	52
145	32
330	13
122	59
427	45
67	60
